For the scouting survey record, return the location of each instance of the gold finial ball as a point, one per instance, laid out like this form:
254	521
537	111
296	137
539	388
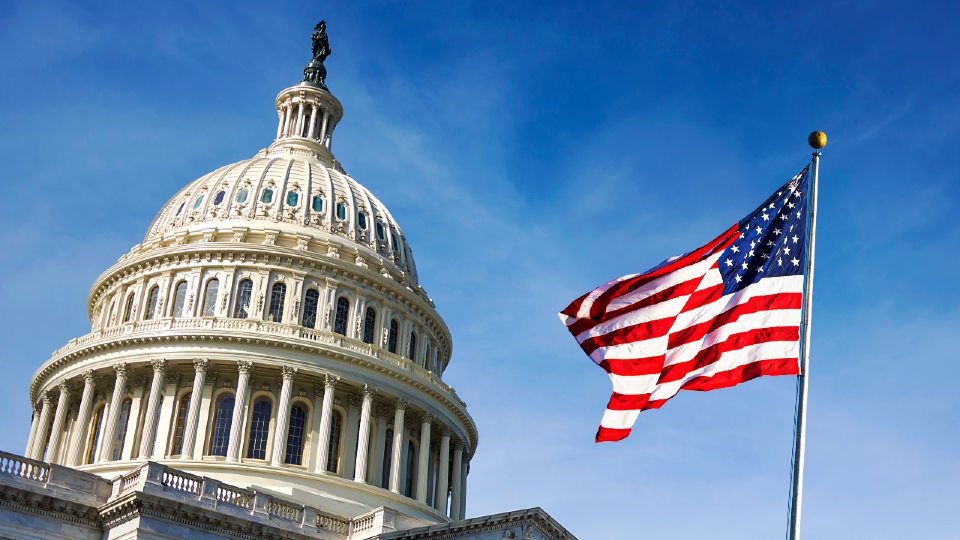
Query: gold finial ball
817	139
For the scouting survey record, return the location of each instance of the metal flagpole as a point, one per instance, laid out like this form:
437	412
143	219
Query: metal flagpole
817	140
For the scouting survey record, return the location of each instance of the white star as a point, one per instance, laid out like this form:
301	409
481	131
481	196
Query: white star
798	214
741	235
738	278
771	206
786	249
791	228
770	243
776	232
790	205
750	254
795	238
779	193
735	249
764	255
795	262
796	193
728	262
779	262
753	243
766	217
784	216
744	265
760	269
758	229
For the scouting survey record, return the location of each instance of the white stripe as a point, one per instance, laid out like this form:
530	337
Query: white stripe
635	349
711	278
634	384
584	311
766	286
619	419
663	310
730	360
676	277
751	321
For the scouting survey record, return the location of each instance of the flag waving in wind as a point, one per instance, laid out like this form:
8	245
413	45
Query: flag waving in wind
725	313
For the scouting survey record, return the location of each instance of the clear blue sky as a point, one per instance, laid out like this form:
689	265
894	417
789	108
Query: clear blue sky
531	153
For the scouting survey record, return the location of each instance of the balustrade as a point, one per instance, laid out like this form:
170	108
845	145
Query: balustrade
21	467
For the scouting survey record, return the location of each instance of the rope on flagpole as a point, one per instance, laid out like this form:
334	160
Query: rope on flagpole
817	140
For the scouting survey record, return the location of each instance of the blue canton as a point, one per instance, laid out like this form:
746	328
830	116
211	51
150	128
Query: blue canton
772	239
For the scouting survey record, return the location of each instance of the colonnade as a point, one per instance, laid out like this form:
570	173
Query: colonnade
342	428
307	119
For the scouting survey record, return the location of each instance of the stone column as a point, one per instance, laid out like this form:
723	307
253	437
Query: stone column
396	457
326	418
463	489
286	120
136	404
193	413
72	457
43	427
281	116
423	466
313	121
239	400
457	482
351	427
56	432
153	403
109	431
283	416
300	118
34	422
375	467
165	418
443	464
363	438
323	126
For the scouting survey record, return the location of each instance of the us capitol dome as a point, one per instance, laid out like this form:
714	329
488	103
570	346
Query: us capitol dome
265	363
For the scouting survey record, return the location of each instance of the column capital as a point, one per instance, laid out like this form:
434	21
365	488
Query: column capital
287	372
201	364
121	369
65	386
47	397
329	380
244	366
369	391
88	377
159	365
426	417
402	403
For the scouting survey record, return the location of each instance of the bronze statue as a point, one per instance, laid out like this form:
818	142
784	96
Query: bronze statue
315	72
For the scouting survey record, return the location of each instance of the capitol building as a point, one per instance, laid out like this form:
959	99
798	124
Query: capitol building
264	364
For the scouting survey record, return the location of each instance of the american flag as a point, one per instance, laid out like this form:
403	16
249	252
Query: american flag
715	317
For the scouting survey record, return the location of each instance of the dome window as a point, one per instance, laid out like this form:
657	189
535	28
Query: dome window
293	198
242	195
362	220
380	233
197	202
218	198
317	204
267	196
179	210
341	210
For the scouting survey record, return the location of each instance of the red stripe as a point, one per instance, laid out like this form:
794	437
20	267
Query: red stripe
629	334
711	354
634	366
627	402
725	379
629	285
674	291
753	305
704	297
611	435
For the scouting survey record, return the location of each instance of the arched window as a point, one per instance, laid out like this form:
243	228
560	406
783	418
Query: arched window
387	459
94	442
179	299
177	448
411	469
340	322
333	444
259	429
392	336
369	323
128	310
310	302
295	434
122	421
277	295
412	348
222	421
152	302
241	307
210	298
427	360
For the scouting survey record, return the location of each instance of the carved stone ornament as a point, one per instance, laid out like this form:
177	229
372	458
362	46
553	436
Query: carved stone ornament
200	364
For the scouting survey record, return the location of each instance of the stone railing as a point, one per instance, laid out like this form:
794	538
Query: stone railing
362	523
332	523
284	509
241	498
181	481
263	327
25	468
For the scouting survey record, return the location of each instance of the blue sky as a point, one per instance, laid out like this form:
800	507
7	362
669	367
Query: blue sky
531	153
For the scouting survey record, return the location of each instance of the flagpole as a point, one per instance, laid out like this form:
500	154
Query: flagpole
817	140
